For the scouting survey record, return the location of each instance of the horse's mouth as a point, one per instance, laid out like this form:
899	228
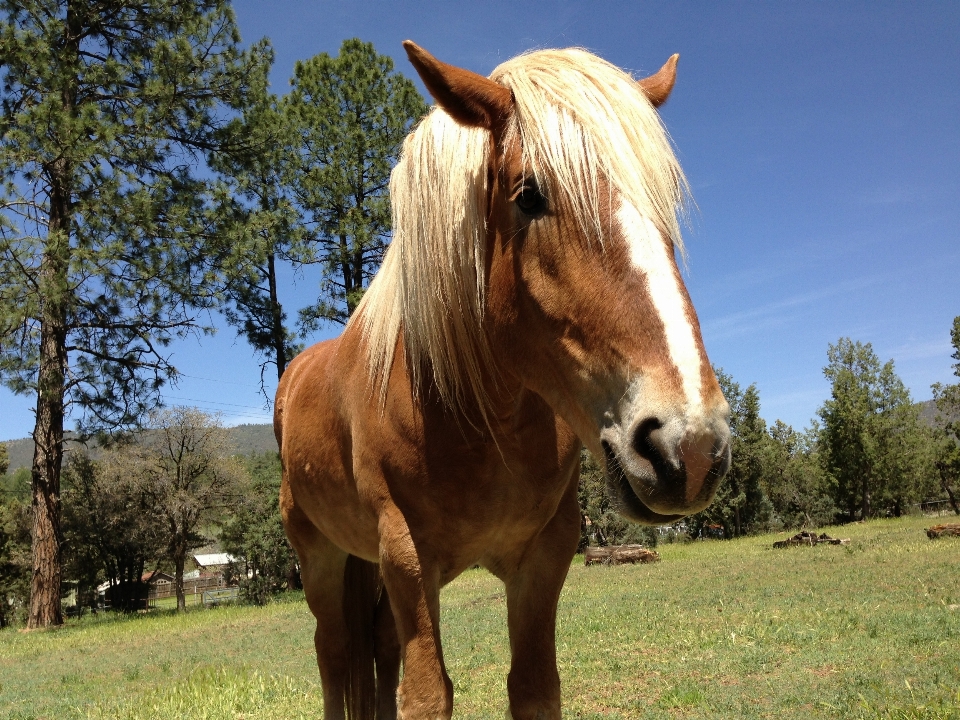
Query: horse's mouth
625	498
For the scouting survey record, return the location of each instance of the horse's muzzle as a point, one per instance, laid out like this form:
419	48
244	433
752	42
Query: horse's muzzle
662	470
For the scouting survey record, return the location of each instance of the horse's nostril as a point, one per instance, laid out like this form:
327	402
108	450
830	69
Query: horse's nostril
644	443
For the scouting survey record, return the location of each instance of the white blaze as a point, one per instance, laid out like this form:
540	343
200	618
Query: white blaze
649	254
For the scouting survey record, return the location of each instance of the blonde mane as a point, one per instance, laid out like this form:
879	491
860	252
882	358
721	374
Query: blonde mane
578	119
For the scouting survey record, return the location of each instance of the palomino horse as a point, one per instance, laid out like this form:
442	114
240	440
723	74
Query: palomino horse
530	301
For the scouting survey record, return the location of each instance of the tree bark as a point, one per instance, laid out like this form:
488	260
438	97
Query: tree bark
276	311
945	484
345	268
945	530
179	559
48	430
47	457
619	555
51	376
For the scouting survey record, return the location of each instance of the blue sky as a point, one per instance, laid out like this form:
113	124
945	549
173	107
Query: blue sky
821	140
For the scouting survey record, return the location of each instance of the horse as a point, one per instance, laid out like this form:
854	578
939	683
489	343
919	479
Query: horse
530	303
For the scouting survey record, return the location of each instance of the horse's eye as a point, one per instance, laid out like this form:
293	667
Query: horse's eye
530	200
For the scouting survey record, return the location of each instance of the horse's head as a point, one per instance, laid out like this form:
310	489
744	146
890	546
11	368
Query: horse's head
581	295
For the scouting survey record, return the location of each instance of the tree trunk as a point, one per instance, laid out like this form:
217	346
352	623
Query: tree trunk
619	555
179	559
945	484
345	268
48	430
48	453
51	376
276	318
357	273
865	500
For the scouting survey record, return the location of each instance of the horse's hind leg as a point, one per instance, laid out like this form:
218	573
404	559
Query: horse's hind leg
387	652
322	567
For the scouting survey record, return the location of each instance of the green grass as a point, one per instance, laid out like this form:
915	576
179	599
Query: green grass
717	630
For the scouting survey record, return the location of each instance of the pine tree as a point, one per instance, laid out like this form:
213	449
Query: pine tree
794	480
946	435
350	114
871	441
107	109
257	212
253	534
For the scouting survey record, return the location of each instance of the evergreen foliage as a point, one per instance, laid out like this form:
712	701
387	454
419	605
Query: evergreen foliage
111	532
15	561
349	114
256	211
16	486
871	441
600	523
946	436
793	479
312	190
105	252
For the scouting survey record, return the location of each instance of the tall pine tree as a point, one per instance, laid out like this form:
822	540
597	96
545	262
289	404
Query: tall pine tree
108	107
350	114
871	442
257	212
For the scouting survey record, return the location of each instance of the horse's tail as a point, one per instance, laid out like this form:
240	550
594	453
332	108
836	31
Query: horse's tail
362	587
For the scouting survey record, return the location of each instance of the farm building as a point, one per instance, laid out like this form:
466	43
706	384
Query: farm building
213	562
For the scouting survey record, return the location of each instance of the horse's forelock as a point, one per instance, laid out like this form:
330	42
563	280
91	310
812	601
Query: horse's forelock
579	117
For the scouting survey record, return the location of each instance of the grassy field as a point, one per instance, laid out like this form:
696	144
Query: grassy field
717	630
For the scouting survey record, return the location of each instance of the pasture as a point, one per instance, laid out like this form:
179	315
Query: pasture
716	630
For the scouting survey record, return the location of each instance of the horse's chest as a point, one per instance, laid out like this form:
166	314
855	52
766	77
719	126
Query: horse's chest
471	503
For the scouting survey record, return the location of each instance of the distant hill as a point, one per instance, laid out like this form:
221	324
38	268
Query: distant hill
246	439
928	412
253	438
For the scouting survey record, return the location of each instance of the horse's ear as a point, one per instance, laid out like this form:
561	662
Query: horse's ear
657	87
468	98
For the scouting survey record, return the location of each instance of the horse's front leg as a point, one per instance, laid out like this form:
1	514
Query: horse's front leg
533	591
413	584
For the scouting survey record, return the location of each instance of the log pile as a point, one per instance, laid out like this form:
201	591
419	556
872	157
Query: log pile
805	537
619	555
945	530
